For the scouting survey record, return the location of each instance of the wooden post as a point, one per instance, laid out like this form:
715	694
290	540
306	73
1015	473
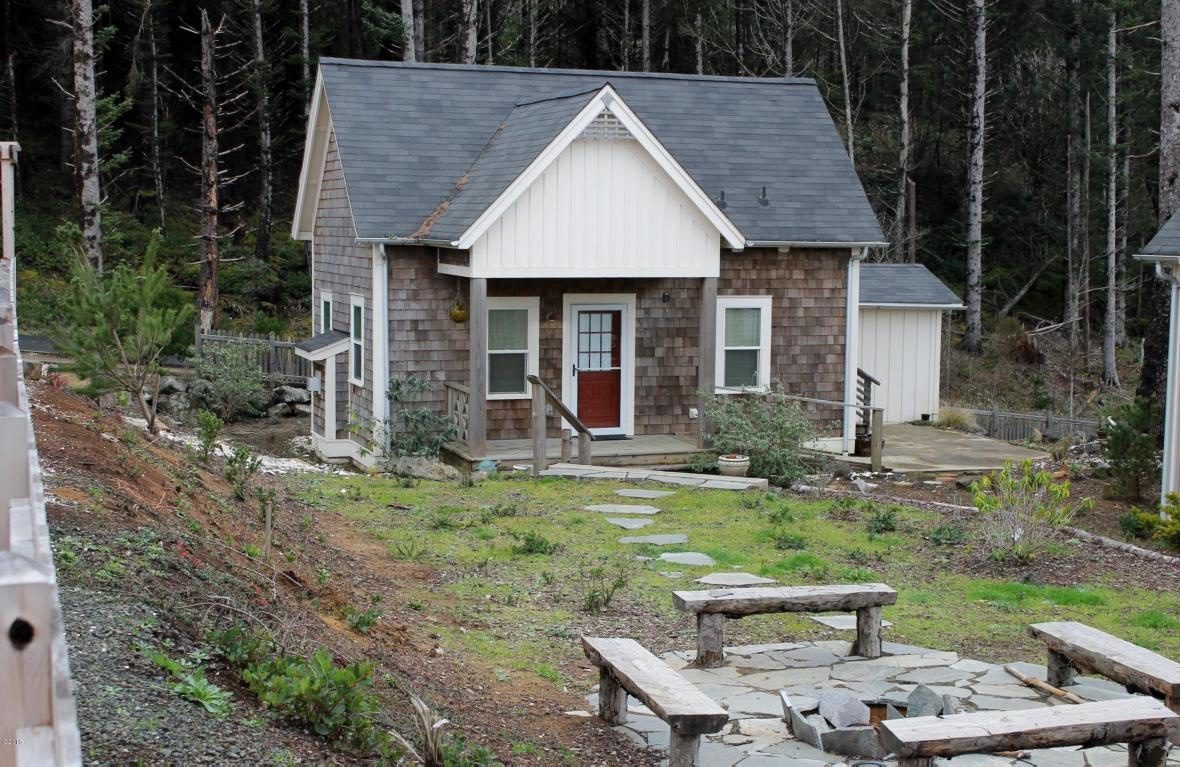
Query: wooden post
878	439
710	640
477	404
915	761
1060	672
707	362
539	428
584	449
1147	753
612	698
994	429
684	750
1173	702
567	445
868	632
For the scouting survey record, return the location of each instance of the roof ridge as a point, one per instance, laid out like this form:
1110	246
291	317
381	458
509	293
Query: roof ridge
776	81
558	96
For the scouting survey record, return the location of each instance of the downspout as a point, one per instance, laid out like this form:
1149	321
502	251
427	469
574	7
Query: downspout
852	344
1170	481
380	347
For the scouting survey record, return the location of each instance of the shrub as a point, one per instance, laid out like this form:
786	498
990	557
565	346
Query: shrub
187	679
950	534
786	540
881	520
953	418
234	379
1021	507
767	427
414	430
240	467
601	582
1132	448
1137	523
208	430
1168	530
533	543
363	621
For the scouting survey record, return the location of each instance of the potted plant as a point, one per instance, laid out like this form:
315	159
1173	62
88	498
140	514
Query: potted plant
733	465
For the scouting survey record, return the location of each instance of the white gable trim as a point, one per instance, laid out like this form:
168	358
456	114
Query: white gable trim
605	100
311	175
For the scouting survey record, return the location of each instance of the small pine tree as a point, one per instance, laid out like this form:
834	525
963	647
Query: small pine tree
116	326
1132	448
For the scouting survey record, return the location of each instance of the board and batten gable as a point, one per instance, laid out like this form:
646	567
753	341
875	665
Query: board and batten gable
344	268
902	348
603	208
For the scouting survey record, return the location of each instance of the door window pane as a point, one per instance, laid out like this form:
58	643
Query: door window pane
743	327
508	329
741	367
506	373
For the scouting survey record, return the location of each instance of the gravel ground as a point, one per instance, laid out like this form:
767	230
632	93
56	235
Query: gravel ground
127	716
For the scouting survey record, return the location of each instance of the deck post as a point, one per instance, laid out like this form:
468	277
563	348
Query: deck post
1060	673
684	750
1152	752
868	632
707	366
567	445
583	449
878	440
477	404
539	427
612	698
710	640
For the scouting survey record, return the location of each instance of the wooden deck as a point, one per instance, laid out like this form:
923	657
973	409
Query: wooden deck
642	450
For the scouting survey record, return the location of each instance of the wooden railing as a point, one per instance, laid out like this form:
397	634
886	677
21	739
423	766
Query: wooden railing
38	723
864	396
542	395
275	356
458	408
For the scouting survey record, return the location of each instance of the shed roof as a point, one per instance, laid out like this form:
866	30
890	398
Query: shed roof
1166	242
427	147
904	285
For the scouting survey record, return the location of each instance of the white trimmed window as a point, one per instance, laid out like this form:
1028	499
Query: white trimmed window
743	342
514	332
325	312
356	349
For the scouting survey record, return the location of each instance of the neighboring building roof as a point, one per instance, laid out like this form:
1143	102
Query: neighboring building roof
904	285
415	136
1166	242
322	346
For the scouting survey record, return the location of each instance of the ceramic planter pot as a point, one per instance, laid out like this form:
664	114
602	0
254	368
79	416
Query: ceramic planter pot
733	465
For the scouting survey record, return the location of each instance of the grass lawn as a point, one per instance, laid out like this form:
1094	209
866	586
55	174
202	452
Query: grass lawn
514	561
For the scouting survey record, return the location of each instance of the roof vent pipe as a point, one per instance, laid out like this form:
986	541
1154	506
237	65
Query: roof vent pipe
763	200
721	201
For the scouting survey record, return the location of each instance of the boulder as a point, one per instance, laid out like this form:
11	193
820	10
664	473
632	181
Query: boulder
280	410
421	467
172	385
843	709
301	409
200	393
176	403
923	702
290	395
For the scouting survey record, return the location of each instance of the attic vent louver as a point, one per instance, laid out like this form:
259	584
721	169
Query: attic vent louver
606	127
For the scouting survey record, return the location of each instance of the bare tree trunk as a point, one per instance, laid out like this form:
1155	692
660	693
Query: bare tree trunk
154	92
789	41
305	54
973	337
666	59
10	74
625	36
1110	370
86	132
419	31
210	245
487	8
265	165
903	164
533	32
844	77
699	25
1084	266
1153	378
1076	162
645	27
469	34
1125	204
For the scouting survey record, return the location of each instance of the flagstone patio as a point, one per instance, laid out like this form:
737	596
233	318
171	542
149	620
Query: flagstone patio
748	687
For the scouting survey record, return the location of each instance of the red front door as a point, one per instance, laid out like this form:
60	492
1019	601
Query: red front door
598	367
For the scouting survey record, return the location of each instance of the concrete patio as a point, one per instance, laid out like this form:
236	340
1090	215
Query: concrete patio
749	683
918	449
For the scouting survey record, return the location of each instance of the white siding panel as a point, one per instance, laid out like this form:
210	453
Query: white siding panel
602	209
903	349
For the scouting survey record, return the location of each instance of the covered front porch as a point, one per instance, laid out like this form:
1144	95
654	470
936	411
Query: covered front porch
651	450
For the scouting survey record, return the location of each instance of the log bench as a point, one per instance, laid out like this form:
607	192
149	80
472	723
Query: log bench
1143	723
713	607
626	668
1077	647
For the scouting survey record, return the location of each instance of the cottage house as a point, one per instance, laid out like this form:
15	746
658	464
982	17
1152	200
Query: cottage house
630	238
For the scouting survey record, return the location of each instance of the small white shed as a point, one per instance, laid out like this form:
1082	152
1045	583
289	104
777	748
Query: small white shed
901	308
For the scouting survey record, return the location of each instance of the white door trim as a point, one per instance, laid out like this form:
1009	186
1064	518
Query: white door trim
625	302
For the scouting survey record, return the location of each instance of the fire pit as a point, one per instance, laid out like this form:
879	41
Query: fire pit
838	722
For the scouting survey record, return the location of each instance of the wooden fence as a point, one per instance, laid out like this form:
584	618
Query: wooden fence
275	356
38	721
1018	427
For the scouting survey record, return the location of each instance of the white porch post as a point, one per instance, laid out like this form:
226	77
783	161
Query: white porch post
707	366
477	405
851	345
1170	481
380	335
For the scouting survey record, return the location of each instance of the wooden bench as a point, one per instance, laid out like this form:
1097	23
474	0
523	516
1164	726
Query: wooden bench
1141	722
1078	647
626	668
713	607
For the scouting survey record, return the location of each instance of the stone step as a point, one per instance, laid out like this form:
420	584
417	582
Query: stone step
622	508
666	539
629	524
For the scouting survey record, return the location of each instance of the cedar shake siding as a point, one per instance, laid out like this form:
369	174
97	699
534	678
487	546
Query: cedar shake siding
343	267
808	316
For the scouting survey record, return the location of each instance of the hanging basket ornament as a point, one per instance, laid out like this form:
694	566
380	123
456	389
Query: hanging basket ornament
458	310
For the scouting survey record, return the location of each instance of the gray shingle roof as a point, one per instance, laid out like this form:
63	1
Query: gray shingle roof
412	136
321	341
1166	241
903	284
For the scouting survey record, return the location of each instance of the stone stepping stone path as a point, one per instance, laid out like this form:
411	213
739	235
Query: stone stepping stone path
688	558
658	540
842	621
622	508
629	524
737	579
648	494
